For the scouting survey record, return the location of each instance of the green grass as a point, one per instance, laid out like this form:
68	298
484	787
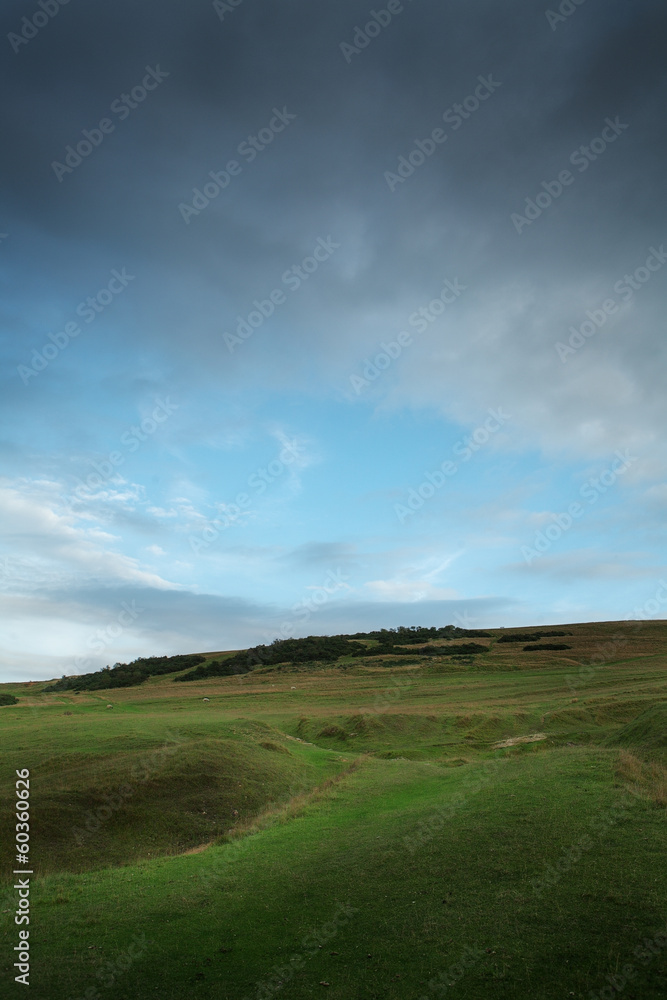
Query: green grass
648	731
376	819
112	794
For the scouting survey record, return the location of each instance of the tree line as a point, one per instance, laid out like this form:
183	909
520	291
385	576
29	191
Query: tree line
312	648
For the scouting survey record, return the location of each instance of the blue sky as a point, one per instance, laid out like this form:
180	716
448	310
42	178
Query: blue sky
400	439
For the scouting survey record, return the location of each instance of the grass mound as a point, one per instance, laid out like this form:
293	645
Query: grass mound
332	733
402	874
648	730
643	779
369	732
122	807
274	747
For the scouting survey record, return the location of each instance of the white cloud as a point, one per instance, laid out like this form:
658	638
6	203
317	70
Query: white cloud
408	591
47	535
499	348
592	564
415	583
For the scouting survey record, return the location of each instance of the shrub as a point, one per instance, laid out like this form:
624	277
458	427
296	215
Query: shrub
548	645
463	649
529	636
126	674
215	668
319	648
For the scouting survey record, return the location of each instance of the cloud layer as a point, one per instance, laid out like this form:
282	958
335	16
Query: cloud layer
232	227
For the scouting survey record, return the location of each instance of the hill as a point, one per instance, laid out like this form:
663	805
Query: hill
385	826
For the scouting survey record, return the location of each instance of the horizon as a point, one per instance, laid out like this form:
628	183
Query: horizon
218	652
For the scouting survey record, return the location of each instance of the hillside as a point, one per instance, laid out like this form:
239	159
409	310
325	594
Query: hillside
374	826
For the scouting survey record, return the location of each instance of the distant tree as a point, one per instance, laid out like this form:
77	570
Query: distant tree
546	645
127	674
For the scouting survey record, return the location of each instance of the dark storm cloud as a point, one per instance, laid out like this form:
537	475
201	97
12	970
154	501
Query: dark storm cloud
353	121
224	74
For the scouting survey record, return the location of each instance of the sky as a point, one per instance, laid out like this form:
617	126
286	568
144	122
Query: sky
320	318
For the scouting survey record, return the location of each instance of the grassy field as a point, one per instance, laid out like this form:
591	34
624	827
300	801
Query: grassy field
413	828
